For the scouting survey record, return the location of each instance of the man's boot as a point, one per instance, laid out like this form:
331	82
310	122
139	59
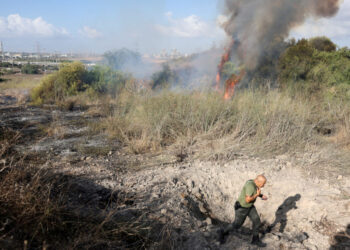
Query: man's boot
230	228
256	241
220	234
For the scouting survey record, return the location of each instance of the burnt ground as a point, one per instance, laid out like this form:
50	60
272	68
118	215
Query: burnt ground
186	202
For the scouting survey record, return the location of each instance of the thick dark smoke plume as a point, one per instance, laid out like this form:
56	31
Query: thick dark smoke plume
256	23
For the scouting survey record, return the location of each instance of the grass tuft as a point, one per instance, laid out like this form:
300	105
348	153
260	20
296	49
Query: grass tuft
40	209
271	121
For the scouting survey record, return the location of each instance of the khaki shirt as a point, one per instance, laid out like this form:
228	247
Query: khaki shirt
249	189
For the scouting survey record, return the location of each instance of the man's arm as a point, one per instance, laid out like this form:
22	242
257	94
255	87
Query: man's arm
252	198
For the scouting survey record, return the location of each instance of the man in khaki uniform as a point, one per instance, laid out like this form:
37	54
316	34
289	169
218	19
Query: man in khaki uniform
244	206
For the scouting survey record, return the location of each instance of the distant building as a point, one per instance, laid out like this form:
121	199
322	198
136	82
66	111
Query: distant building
175	54
17	55
164	55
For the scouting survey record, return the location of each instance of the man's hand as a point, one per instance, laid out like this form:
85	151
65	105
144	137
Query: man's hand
252	198
258	191
264	197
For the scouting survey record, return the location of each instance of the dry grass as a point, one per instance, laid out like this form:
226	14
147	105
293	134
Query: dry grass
41	208
8	138
20	81
339	113
44	210
262	121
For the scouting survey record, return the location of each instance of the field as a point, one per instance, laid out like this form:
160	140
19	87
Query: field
96	158
134	170
20	81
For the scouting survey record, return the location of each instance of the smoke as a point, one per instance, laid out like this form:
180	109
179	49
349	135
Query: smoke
195	72
256	23
129	61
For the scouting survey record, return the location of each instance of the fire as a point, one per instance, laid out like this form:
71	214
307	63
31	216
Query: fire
231	83
225	58
233	80
218	77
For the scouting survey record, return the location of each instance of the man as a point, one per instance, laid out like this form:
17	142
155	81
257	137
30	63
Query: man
244	206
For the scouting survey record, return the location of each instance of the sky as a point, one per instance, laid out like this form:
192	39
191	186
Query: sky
148	26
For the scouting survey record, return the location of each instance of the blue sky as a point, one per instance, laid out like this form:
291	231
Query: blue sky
148	26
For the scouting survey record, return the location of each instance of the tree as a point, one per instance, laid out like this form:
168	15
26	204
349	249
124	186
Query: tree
30	69
296	62
323	44
311	66
163	78
122	58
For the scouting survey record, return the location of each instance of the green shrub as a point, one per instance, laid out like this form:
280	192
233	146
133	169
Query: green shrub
229	69
164	78
314	66
30	69
107	81
68	81
323	44
296	62
121	58
74	78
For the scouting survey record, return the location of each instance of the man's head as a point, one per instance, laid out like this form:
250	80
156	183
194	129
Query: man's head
260	181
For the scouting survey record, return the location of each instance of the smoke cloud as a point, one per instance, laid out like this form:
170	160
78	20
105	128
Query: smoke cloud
256	23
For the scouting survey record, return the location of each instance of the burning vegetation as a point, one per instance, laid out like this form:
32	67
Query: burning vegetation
252	33
231	83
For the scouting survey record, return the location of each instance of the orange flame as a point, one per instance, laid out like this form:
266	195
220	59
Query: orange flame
225	58
218	77
231	83
233	80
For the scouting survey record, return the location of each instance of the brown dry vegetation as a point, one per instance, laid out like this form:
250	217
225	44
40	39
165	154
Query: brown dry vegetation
260	121
41	209
20	81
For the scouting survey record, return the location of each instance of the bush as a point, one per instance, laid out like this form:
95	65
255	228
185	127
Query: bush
74	78
229	69
164	78
323	44
69	80
107	81
30	69
122	58
313	66
296	62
